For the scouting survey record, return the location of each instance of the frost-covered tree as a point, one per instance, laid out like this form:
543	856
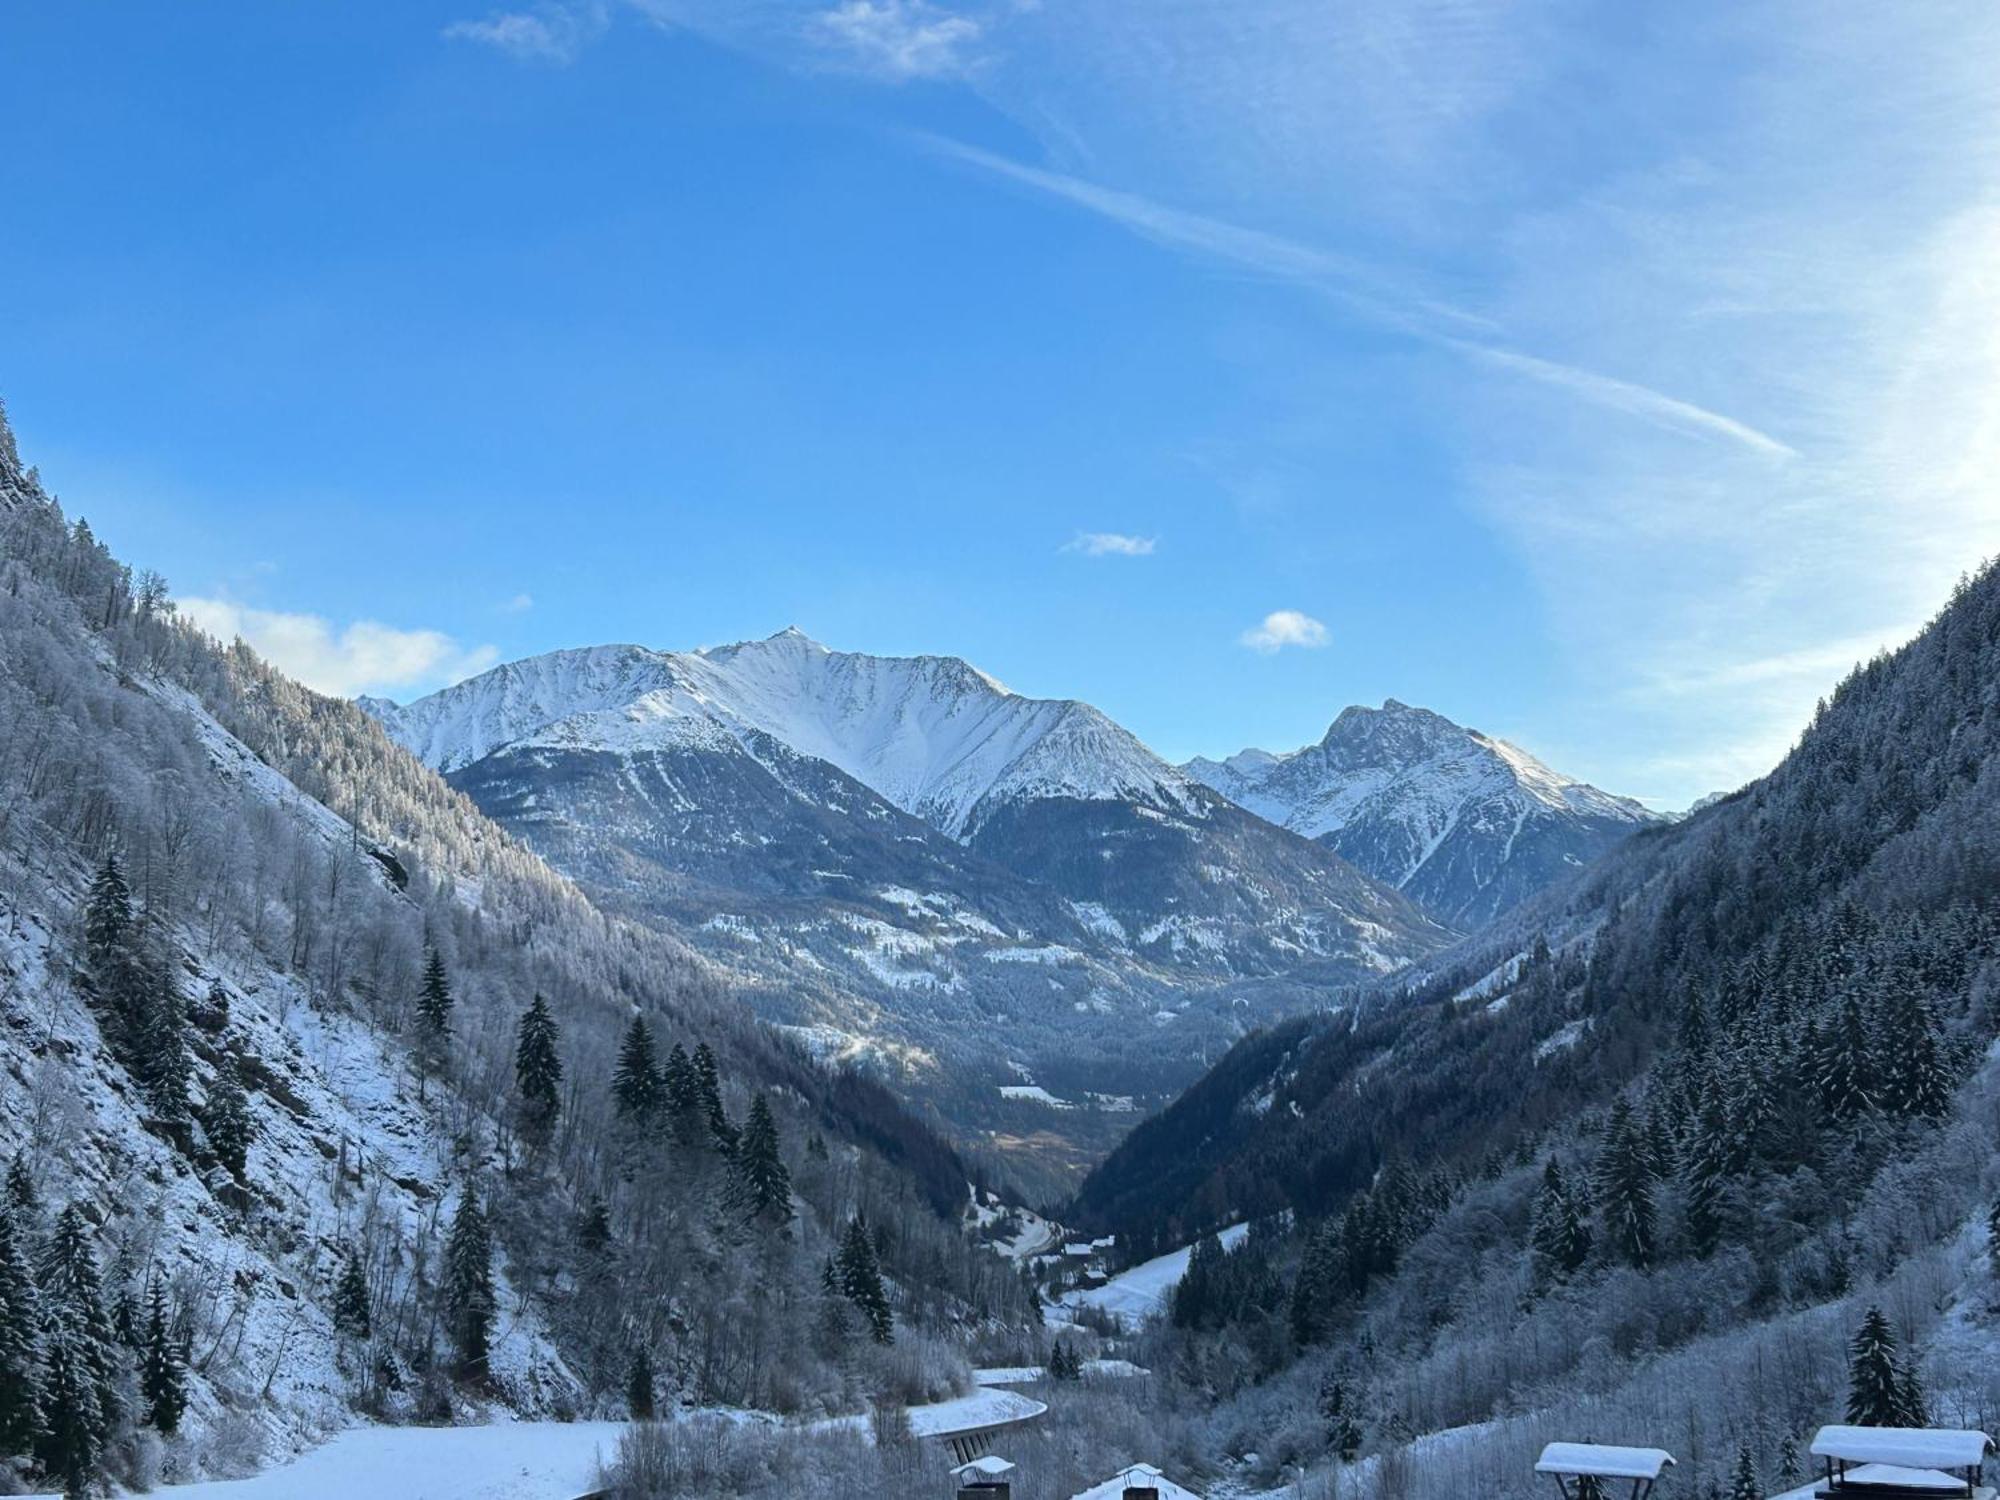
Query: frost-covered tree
861	1281
635	1082
708	1090
1844	1067
435	1003
1337	1410
72	1293
76	1425
107	914
469	1304
1876	1392
20	1344
227	1119
763	1185
1560	1234
1743	1481
1625	1189
352	1317
162	1375
538	1067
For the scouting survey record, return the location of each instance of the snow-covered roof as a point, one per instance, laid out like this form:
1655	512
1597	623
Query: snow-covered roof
992	1466
1138	1476
1903	1447
1602	1461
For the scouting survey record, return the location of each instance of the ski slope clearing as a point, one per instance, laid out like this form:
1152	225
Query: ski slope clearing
506	1461
1142	1291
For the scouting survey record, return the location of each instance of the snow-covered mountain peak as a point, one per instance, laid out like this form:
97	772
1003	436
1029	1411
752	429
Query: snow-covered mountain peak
932	734
1401	790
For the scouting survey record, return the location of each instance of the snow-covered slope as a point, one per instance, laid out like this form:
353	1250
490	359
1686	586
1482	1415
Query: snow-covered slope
1465	823
934	735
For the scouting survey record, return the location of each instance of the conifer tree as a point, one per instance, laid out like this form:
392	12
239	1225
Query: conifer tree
1559	1238
538	1067
1876	1392
1316	1289
1842	1069
593	1227
162	1377
1743	1481
76	1425
352	1316
763	1183
708	1088
861	1281
1705	1178
1917	1077
1591	1487
20	1345
468	1287
434	1008
1790	1470
107	914
160	1031
72	1292
26	1203
681	1094
1992	1236
1625	1188
1913	1409
635	1081
228	1120
639	1386
1336	1406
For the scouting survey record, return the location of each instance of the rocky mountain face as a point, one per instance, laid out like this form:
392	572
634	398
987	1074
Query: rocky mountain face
1464	824
901	856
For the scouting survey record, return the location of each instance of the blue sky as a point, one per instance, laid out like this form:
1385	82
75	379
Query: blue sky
1610	378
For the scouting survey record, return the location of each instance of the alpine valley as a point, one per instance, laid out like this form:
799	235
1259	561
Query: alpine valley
1009	903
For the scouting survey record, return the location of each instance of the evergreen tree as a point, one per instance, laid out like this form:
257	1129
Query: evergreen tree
538	1067
160	1028
228	1120
1743	1481
1591	1487
681	1094
639	1386
162	1377
352	1316
1790	1470
1317	1287
1343	1427
1917	1076
1064	1362
1992	1236
1705	1178
861	1281
1913	1408
1842	1069
593	1228
20	1345
26	1204
708	1089
635	1081
107	914
72	1292
76	1425
468	1286
1625	1188
1876	1391
434	1007
1560	1237
763	1184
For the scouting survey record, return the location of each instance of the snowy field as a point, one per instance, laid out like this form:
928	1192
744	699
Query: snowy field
1142	1291
509	1461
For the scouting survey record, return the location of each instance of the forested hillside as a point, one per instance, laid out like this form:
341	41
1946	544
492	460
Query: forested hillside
327	1101
1730	1080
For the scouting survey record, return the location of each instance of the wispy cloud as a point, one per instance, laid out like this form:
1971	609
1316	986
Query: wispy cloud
359	657
552	33
1110	544
1366	292
520	604
1282	628
898	39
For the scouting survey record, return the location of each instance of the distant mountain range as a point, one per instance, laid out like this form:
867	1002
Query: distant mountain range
900	856
1464	824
